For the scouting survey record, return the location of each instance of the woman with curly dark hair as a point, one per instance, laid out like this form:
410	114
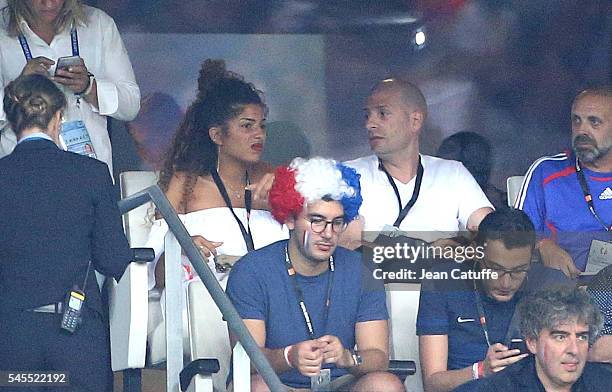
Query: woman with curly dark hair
212	166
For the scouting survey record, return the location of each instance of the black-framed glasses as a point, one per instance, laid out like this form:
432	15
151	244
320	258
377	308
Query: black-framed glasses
514	273
318	225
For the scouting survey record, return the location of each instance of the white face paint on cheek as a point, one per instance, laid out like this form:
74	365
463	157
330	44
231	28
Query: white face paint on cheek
306	239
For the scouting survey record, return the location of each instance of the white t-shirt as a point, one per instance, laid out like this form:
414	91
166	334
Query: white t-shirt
448	196
105	56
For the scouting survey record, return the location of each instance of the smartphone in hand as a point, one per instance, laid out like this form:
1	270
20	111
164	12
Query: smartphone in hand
65	62
518	344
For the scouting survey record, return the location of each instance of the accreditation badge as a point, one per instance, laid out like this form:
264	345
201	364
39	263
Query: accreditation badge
600	256
75	138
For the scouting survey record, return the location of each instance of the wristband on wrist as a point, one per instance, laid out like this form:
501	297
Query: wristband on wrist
89	85
475	371
357	360
286	355
481	369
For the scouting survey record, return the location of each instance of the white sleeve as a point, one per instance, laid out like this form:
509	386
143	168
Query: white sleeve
8	140
470	195
118	93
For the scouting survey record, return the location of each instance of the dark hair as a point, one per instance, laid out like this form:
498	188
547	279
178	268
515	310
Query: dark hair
221	96
31	101
549	308
511	226
471	149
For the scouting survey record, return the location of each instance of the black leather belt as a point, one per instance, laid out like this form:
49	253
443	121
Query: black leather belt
56	308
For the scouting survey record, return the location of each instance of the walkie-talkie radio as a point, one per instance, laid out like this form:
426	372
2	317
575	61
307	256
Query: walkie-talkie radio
72	313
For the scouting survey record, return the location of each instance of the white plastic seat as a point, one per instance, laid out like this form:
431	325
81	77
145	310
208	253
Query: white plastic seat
403	306
209	337
137	320
129	300
513	186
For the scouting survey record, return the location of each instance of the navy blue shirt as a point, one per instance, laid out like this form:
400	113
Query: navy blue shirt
261	289
448	307
522	376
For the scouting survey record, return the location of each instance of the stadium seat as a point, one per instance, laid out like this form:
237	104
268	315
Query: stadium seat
403	305
513	185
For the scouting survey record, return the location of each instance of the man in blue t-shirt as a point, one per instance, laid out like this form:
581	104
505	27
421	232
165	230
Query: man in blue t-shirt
313	308
569	196
465	323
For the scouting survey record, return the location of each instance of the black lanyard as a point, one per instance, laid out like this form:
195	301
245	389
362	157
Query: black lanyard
300	295
588	197
415	194
482	319
246	234
74	39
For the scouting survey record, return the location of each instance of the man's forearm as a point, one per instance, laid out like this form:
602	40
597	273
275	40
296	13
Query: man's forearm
601	351
276	357
447	380
372	360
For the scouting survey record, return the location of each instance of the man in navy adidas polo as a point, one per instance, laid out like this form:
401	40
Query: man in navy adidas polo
466	326
569	196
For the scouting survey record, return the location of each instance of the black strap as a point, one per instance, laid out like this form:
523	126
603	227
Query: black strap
482	319
415	193
246	234
300	294
588	197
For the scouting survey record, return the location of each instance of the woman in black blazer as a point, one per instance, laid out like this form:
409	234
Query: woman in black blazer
58	222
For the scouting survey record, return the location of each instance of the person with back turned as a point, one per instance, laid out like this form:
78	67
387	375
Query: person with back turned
60	222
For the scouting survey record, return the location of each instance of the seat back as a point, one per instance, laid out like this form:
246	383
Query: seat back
513	185
137	222
403	305
207	330
128	299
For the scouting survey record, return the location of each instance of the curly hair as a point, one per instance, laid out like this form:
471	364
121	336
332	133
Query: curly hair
31	102
306	181
549	308
221	96
70	14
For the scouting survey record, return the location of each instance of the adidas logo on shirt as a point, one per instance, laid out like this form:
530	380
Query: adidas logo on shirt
606	194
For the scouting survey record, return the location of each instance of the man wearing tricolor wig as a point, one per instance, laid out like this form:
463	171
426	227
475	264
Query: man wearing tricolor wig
313	307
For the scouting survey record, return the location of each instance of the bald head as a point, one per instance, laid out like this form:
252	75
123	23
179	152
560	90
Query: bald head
410	93
602	91
592	128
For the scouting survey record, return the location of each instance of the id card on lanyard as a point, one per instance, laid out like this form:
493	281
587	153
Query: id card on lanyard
74	136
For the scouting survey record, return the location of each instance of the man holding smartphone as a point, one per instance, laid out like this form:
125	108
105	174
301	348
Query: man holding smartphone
467	327
98	80
559	325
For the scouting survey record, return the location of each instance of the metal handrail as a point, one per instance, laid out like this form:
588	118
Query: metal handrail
236	325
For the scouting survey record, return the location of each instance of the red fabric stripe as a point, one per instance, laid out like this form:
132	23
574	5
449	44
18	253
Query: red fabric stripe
553	230
601	179
565	172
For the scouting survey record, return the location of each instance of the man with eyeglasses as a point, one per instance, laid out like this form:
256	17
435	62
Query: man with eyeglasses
559	324
314	308
467	327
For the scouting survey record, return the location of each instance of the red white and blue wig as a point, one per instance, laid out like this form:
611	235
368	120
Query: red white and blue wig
311	180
